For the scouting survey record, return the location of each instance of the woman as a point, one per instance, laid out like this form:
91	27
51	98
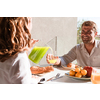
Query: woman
15	40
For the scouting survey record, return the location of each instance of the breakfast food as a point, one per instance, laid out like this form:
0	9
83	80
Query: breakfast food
83	72
72	73
78	75
89	70
77	69
78	72
41	70
71	65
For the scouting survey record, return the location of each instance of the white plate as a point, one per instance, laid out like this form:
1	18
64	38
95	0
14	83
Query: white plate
82	78
68	68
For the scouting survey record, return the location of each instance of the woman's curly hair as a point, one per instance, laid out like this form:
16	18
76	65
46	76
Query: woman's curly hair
14	36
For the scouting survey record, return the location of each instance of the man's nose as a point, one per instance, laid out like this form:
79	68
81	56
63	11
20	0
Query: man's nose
85	34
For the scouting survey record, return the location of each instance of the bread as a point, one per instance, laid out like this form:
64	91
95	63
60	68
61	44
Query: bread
41	70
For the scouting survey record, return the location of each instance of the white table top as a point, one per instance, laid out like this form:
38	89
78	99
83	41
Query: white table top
64	79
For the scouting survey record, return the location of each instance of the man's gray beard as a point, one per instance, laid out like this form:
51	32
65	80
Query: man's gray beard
86	42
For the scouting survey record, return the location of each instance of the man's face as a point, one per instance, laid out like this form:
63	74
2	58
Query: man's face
87	34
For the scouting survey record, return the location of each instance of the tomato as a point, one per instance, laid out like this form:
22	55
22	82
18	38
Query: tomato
89	70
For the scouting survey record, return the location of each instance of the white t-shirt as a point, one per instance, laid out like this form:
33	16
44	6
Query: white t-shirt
16	70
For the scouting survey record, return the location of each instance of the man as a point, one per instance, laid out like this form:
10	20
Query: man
86	53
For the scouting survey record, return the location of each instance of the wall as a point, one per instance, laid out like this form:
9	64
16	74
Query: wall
59	32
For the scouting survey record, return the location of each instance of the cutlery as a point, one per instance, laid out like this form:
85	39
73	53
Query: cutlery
50	79
54	77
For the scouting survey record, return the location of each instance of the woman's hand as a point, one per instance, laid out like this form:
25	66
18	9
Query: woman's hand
33	41
52	57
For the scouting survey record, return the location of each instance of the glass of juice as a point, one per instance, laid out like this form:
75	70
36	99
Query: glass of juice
52	59
95	76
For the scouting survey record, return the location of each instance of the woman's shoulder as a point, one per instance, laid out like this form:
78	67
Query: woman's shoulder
17	57
20	56
20	61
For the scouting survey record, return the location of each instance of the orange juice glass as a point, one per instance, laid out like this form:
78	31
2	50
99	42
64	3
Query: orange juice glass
52	59
95	76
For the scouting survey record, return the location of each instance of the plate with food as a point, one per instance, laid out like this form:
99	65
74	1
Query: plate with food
82	73
82	78
70	66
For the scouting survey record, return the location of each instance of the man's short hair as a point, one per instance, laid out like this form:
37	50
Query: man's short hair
90	23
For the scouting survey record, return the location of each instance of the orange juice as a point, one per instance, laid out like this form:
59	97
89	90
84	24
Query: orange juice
52	61
95	78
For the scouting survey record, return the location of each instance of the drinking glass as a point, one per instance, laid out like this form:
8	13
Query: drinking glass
52	59
95	76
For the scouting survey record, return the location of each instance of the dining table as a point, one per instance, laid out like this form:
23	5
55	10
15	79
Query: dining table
62	79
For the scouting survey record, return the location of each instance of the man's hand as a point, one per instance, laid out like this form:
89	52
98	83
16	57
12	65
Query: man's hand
50	57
